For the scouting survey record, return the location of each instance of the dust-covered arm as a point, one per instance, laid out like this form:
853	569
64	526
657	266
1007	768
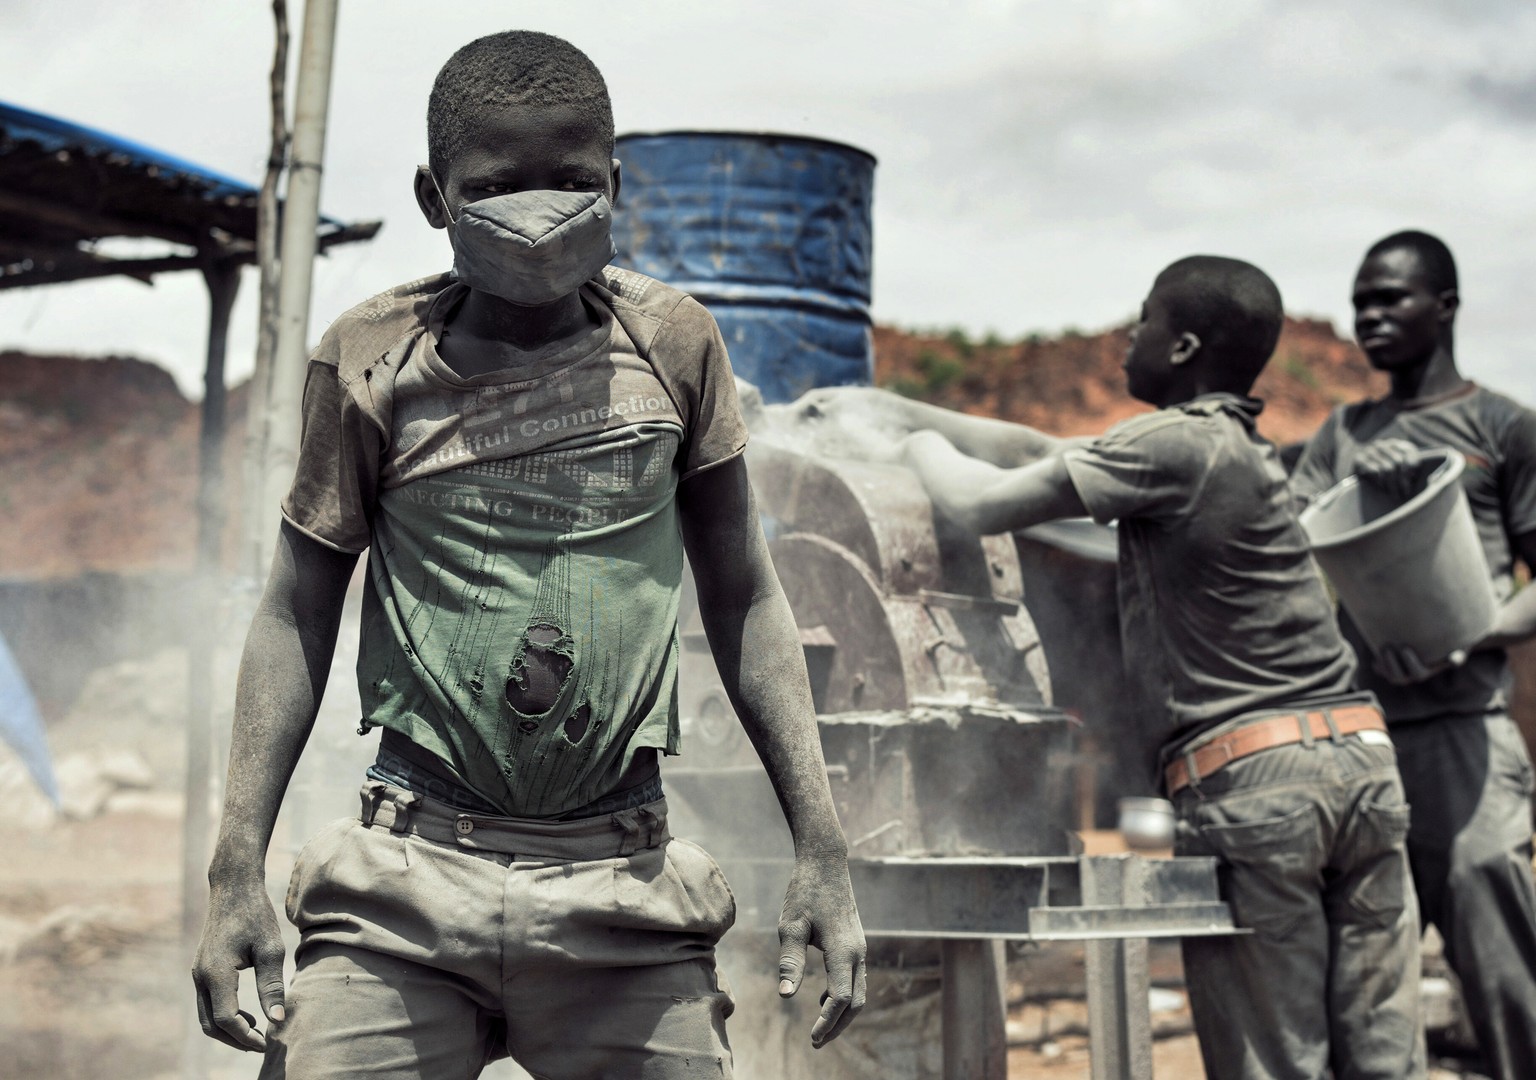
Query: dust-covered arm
757	650
282	677
985	498
998	442
1516	620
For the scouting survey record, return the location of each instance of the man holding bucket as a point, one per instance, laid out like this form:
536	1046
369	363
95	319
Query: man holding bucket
1464	763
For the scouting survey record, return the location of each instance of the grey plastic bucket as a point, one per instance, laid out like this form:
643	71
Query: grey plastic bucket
1408	572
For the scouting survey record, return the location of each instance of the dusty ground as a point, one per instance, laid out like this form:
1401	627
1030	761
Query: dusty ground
93	983
93	974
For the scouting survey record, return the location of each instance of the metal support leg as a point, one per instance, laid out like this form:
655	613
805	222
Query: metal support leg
975	1010
1119	1015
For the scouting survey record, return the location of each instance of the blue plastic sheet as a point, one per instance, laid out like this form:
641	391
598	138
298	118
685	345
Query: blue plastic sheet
21	725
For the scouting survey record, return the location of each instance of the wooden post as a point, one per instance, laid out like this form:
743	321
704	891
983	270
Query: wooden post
267	218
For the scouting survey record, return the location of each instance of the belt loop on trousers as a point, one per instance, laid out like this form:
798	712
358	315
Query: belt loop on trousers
642	829
653	826
629	821
1333	725
1191	772
405	802
1304	725
372	793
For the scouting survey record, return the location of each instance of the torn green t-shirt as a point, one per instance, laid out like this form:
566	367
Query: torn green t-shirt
525	555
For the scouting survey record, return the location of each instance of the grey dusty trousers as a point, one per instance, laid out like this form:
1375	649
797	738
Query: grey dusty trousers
1311	843
1468	779
433	942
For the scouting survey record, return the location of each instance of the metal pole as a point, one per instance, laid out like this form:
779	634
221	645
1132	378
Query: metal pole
975	1007
301	215
1119	1014
223	278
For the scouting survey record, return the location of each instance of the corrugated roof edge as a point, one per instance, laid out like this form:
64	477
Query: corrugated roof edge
54	134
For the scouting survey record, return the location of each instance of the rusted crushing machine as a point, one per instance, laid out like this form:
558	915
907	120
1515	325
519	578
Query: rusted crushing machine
933	701
928	677
952	772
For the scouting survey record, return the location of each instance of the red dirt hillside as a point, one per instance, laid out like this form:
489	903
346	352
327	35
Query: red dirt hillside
100	466
1073	385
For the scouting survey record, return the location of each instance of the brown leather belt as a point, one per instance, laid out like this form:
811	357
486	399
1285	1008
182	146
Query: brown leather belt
1263	734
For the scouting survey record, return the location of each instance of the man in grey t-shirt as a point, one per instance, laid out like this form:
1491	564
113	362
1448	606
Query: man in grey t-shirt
1464	764
1275	765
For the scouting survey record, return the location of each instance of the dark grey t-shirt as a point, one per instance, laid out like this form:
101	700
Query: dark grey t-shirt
1498	438
1222	611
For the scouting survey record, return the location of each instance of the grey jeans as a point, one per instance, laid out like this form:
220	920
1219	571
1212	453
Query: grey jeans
1313	860
1469	780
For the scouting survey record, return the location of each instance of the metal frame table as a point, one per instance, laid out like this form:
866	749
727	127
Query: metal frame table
972	905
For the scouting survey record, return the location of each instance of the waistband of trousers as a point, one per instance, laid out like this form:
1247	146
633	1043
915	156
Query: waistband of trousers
607	836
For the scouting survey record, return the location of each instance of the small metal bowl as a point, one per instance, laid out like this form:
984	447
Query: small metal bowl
1146	823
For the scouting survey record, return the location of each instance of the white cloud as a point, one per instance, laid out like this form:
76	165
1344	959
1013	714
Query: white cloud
1038	161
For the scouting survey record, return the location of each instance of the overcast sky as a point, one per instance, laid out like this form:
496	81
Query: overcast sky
1039	161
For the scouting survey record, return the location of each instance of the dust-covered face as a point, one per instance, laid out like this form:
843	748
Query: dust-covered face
1398	316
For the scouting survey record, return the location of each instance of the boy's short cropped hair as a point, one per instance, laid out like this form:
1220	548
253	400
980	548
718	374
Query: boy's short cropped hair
514	67
1231	305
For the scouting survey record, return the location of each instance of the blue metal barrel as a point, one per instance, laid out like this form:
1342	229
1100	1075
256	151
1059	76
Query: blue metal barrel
772	233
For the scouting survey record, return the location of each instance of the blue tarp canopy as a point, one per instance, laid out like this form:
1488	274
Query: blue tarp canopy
63	187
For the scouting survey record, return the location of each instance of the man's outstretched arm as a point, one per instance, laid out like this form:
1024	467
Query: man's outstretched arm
757	650
985	498
282	677
997	442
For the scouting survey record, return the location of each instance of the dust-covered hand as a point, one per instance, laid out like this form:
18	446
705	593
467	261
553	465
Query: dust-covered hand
241	932
831	407
819	910
1402	666
834	404
1391	464
858	423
